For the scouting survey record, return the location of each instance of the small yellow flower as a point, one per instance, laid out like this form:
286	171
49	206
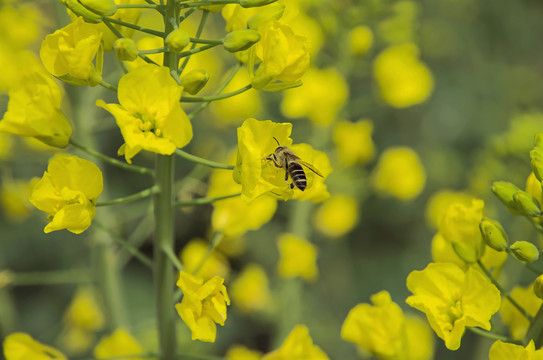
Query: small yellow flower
149	115
518	324
34	111
203	305
320	98
453	299
250	289
67	192
240	352
118	344
298	257
360	40
403	79
399	173
14	196
21	346
69	52
297	345
337	216
440	201
383	331
353	141
505	351
216	264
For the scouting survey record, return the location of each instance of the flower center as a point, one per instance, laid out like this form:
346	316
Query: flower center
452	310
148	124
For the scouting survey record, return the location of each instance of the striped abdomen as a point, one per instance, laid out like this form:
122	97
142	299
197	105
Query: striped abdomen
297	175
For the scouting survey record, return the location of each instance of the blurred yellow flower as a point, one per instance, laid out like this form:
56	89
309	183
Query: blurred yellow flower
68	192
459	225
400	27
15	65
6	146
337	216
360	40
69	52
306	26
297	257
320	98
14	196
297	345
353	141
240	352
505	351
150	115
383	331
203	305
236	16
440	201
517	322
453	300
234	217
34	111
21	346
533	187
399	173
20	25
402	78
250	289
84	312
195	251
119	344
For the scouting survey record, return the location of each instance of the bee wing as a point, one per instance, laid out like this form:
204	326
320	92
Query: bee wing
310	167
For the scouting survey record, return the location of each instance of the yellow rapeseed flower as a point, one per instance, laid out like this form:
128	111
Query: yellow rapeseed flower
216	264
21	346
453	300
240	352
34	111
360	40
440	201
337	216
68	192
250	289
297	345
119	344
353	141
14	196
150	115
203	305
298	257
402	78
320	99
505	351
68	53
517	322
399	173
383	331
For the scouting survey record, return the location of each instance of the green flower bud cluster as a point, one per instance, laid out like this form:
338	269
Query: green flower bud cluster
125	49
516	200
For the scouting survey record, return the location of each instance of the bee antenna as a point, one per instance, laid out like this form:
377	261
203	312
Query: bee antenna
277	141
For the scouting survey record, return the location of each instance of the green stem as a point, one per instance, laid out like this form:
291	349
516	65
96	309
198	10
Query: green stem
525	264
503	291
138	6
116	32
52	277
132	26
205	41
215	97
208	3
108	86
202	161
535	331
109	160
175	261
203	201
188	53
186	14
489	335
137	196
199	31
153	51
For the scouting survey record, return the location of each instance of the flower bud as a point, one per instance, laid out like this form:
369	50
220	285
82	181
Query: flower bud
271	12
78	9
527	204
525	251
538	287
536	155
240	40
177	40
493	234
504	191
125	49
194	81
100	7
467	253
255	3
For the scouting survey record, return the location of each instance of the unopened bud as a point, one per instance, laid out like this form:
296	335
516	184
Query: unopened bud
538	287
255	3
493	234
78	9
527	204
194	81
240	40
536	155
469	254
504	191
177	40
271	12
525	251
125	49
538	140
100	7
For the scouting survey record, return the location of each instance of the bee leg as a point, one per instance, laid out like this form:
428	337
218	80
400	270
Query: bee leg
292	185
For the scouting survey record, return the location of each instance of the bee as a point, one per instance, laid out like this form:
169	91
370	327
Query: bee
285	158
